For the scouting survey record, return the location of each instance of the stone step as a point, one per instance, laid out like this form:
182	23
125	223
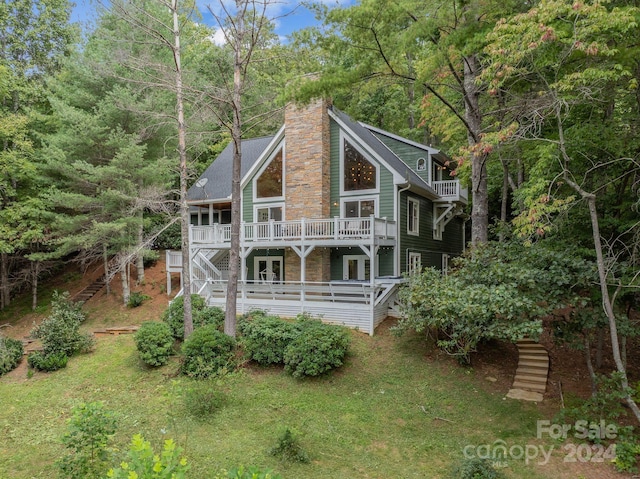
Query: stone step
527	386
535	357
116	330
527	371
531	379
534	364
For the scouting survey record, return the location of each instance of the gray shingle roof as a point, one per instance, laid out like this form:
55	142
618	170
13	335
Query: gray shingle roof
218	174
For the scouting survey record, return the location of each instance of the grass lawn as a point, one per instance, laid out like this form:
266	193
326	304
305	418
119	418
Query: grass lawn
388	413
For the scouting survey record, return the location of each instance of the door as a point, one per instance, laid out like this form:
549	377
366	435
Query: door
356	267
268	269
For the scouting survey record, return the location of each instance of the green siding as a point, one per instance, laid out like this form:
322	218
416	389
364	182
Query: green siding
407	153
430	249
247	202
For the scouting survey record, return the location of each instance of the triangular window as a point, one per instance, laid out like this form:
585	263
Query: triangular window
359	173
269	183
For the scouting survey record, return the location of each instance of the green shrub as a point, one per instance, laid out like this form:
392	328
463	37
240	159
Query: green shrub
60	331
200	312
207	351
89	431
318	348
288	449
143	463
136	298
476	469
11	351
150	257
265	338
47	362
154	342
202	399
627	454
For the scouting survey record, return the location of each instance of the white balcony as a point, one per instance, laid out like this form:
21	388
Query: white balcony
450	190
307	230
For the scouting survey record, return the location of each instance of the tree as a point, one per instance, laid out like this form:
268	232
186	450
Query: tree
34	36
435	52
570	63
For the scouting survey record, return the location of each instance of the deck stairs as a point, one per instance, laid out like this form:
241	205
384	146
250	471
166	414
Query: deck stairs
530	381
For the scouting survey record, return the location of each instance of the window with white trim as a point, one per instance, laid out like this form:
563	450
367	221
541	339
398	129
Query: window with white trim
421	164
269	182
413	216
265	213
359	174
414	265
359	207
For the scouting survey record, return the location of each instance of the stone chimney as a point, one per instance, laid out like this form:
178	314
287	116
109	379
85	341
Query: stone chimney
307	184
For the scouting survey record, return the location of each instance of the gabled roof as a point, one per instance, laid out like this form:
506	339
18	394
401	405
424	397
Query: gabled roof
218	175
363	133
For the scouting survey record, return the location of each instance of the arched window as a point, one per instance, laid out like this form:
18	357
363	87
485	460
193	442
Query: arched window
421	165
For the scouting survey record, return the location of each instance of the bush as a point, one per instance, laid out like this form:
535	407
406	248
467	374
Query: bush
476	469
318	348
89	432
11	351
136	298
288	449
150	257
144	463
265	338
203	399
201	314
60	331
154	342
47	362
207	351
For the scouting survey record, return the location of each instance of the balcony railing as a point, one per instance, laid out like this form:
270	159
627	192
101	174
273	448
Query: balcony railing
450	190
300	230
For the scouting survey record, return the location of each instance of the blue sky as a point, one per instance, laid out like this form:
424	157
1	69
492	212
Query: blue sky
289	15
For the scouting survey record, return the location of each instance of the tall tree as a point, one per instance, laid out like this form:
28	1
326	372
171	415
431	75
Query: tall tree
573	64
34	36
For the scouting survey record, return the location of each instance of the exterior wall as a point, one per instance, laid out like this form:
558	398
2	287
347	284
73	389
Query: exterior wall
385	261
407	153
247	203
430	249
264	252
318	266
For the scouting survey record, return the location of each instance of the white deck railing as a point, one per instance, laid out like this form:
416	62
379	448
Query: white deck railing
174	260
304	229
450	189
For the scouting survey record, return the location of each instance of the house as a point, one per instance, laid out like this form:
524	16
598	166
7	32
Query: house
334	213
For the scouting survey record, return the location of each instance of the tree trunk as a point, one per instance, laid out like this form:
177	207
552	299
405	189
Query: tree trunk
599	348
592	373
124	279
107	276
185	217
35	273
140	255
5	290
236	135
473	117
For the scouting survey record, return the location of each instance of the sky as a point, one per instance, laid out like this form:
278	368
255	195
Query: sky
289	15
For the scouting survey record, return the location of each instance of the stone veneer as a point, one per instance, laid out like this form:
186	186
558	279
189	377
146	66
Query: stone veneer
307	179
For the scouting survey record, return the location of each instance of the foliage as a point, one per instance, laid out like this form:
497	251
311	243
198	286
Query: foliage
498	291
203	398
266	337
317	349
242	472
476	469
47	362
89	432
11	352
150	257
207	351
202	314
60	331
136	298
627	454
288	449
143	463
154	341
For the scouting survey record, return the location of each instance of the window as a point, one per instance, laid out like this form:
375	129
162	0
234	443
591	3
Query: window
359	173
269	183
356	267
421	165
413	216
267	269
362	208
414	265
268	213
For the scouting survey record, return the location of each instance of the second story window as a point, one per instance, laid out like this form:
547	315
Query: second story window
421	165
413	216
359	173
269	183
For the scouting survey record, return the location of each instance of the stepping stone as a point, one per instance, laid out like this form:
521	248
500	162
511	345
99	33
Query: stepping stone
524	395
